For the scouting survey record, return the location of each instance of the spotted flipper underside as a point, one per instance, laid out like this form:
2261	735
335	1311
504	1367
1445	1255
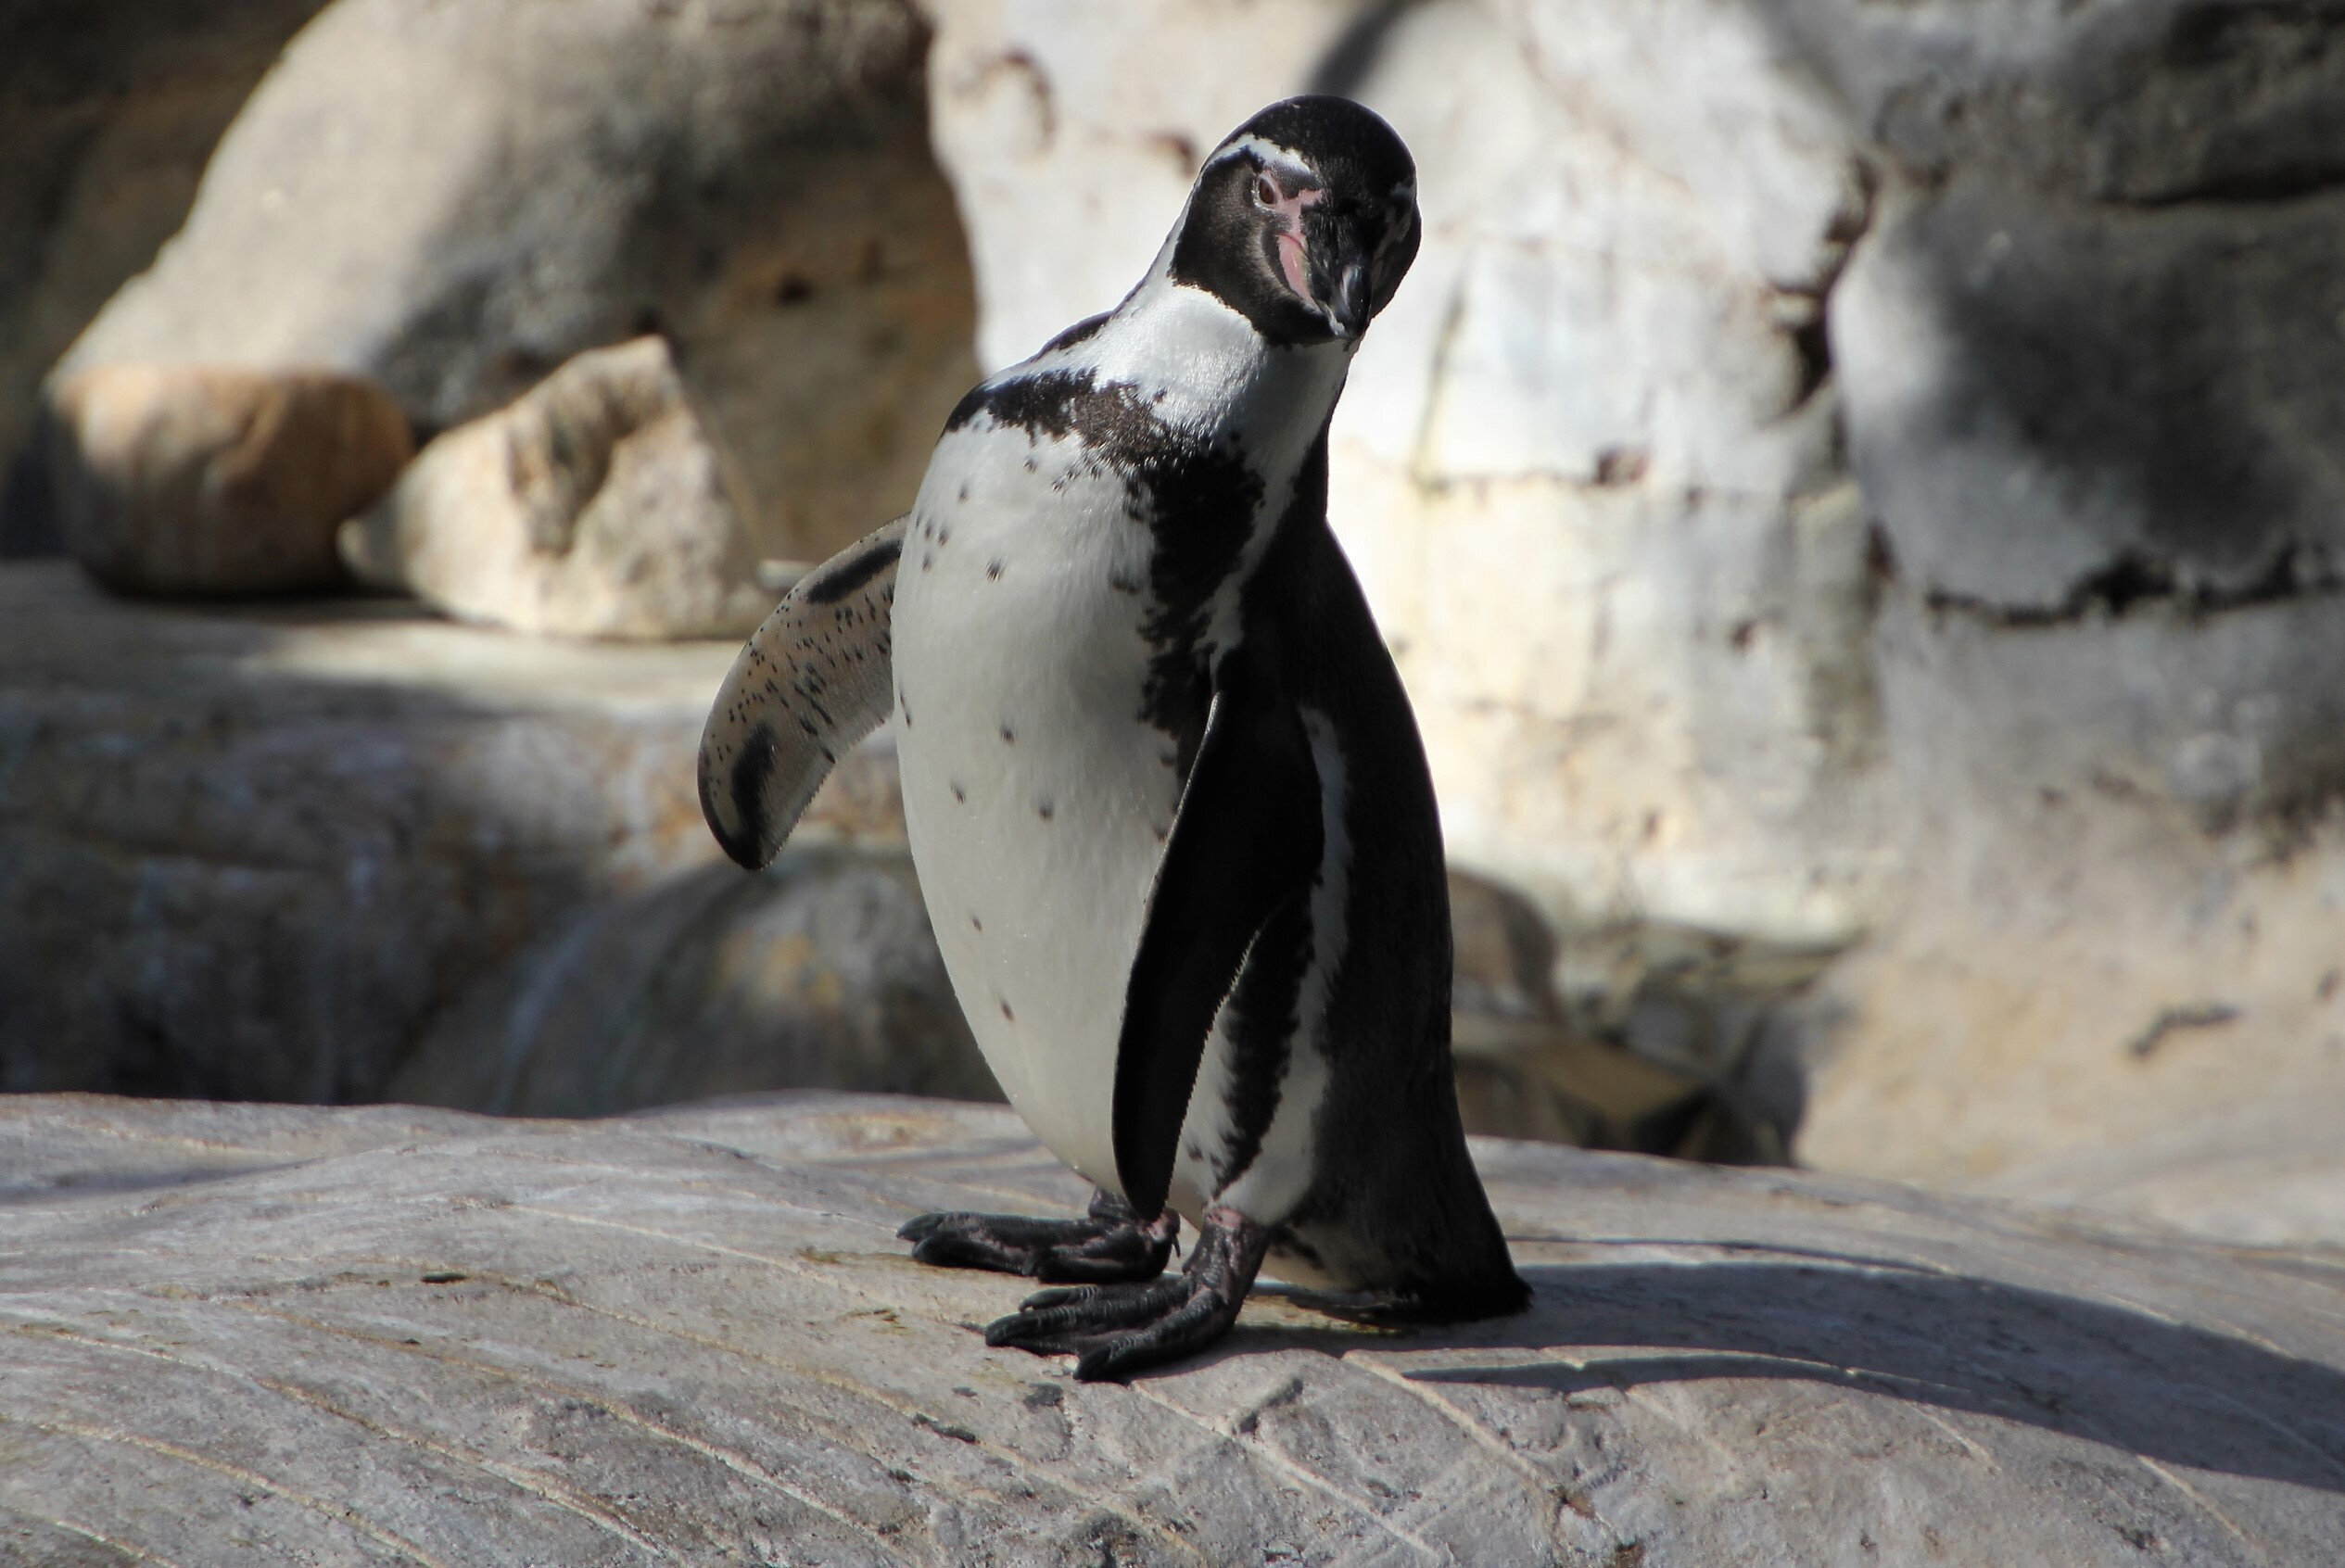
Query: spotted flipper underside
1247	839
811	682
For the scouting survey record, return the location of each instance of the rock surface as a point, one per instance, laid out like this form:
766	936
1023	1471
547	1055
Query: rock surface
455	199
209	479
391	1335
2090	364
593	505
108	109
255	854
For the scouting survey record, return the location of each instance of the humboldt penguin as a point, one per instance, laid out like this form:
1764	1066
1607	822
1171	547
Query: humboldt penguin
1164	791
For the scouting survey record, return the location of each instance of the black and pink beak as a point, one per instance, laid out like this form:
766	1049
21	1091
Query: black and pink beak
1345	261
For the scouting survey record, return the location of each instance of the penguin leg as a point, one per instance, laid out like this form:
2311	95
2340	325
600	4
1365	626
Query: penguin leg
1109	1244
1120	1329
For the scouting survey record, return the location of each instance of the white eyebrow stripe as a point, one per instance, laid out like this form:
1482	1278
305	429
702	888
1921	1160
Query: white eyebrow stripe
1266	150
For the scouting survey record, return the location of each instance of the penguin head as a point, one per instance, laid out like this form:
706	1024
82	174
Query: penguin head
1303	220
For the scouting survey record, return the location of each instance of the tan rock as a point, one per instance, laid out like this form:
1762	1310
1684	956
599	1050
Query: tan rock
213	479
242	1334
593	506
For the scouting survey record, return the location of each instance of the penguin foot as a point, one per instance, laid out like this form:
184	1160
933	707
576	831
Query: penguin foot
1109	1244
1118	1330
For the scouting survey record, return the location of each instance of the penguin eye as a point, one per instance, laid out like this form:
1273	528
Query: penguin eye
1265	191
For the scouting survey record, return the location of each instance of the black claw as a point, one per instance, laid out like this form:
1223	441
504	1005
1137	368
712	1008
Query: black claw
927	1225
1109	1244
1117	1330
1192	1327
1063	1296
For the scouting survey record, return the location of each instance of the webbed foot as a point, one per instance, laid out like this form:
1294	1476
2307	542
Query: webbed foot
1118	1330
1110	1244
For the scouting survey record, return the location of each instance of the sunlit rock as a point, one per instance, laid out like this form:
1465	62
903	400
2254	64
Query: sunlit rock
594	505
240	1332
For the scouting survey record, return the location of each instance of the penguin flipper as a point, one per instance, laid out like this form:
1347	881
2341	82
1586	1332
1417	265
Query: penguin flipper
1247	839
813	680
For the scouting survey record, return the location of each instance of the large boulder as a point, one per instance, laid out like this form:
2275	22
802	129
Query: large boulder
241	1331
208	479
820	972
594	505
455	199
2091	364
109	110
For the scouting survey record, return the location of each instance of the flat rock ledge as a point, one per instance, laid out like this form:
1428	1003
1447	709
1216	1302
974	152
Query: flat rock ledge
241	1334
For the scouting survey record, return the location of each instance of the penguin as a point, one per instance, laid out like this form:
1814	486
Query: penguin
1164	791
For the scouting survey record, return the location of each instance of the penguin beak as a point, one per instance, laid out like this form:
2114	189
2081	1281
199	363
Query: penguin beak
1341	273
1348	305
1356	262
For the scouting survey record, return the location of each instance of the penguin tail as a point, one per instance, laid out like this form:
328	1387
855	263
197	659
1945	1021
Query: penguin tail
1496	1293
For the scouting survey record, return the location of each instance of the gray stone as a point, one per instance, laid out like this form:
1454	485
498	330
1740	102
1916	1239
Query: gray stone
2055	402
207	479
108	109
249	1331
819	972
455	199
347	851
594	505
2090	360
2151	103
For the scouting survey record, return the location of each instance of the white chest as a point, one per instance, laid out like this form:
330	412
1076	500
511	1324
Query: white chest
1036	798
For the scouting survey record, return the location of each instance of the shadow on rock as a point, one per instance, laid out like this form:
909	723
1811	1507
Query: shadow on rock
2093	1370
820	972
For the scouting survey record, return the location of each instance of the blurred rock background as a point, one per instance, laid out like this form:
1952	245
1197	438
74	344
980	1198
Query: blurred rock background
1854	491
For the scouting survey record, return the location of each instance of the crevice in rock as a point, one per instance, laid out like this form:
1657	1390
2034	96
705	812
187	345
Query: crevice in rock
1811	335
2134	581
1812	344
1421	465
28	526
2246	187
